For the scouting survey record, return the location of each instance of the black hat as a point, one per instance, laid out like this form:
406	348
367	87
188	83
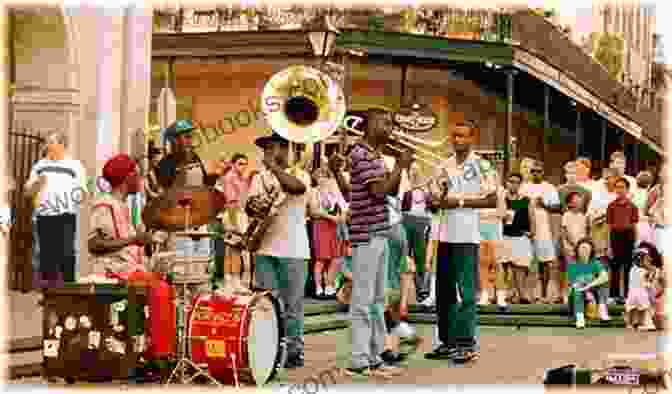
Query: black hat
274	138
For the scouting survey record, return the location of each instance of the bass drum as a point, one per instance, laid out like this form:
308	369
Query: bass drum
240	338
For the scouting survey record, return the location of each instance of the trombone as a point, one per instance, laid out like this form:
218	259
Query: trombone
401	138
435	161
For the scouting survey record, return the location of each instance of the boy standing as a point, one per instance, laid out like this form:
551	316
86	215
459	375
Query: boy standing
544	197
622	218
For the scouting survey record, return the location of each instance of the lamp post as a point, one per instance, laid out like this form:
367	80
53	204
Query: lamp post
322	37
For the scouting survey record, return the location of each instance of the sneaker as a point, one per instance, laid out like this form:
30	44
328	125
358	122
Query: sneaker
443	352
580	321
294	362
392	358
403	330
330	292
428	302
363	371
384	369
467	355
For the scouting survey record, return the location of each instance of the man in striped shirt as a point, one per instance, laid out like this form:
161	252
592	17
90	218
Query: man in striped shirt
369	230
468	185
57	184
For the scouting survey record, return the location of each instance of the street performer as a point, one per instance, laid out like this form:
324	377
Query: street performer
182	168
280	244
369	185
116	246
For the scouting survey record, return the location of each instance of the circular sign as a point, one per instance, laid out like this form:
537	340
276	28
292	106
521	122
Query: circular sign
416	118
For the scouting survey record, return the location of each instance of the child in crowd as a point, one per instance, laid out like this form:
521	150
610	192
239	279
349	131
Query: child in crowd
622	218
640	306
586	275
575	226
640	198
515	255
328	213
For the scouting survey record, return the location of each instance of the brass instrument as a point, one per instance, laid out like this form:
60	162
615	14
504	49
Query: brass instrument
303	104
402	140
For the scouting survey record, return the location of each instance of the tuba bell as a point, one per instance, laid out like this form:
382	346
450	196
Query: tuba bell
303	104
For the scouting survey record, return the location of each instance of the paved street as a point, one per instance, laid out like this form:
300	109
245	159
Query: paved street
509	356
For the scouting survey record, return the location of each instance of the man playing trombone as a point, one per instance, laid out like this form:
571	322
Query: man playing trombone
468	184
369	185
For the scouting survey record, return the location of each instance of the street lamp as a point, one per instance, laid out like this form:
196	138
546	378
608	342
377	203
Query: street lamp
322	36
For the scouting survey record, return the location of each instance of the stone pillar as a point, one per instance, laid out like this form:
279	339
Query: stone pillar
4	78
137	81
113	53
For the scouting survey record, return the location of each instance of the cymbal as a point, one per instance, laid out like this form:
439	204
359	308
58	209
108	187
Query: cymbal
195	234
172	209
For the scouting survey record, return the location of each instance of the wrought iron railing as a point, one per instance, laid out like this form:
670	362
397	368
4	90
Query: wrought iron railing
471	24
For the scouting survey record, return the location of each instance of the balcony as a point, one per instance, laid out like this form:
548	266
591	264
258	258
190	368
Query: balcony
478	24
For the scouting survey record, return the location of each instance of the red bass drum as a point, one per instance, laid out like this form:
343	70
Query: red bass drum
239	337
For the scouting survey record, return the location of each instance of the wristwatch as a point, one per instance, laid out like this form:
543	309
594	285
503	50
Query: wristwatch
460	203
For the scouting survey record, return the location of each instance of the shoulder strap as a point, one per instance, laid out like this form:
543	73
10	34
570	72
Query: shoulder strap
114	216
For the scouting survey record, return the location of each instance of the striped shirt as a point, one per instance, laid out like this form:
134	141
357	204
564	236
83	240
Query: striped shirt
369	210
65	188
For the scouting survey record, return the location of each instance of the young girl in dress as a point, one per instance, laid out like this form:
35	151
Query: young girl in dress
586	276
329	209
640	306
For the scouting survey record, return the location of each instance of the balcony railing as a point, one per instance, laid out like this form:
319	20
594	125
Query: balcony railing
474	24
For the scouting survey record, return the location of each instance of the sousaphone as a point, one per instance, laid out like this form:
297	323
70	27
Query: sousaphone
304	105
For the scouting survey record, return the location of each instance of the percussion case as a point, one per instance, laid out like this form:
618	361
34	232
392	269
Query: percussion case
93	332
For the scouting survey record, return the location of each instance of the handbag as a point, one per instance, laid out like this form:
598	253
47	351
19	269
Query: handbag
591	312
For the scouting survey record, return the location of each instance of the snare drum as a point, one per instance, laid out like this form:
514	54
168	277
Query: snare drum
239	337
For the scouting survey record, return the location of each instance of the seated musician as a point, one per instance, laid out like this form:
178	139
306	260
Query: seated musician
186	169
114	244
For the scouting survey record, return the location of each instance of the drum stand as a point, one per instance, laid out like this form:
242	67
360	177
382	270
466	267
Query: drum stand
184	363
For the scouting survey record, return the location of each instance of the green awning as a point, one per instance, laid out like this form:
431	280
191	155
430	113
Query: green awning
425	47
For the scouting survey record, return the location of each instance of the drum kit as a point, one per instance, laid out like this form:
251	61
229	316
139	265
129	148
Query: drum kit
222	336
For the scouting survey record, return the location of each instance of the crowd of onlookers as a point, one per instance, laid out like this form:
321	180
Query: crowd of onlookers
589	242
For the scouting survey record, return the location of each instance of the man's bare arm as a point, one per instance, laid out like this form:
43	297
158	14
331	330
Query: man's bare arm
389	185
289	183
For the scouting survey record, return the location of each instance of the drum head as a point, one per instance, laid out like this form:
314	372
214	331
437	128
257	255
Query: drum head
264	340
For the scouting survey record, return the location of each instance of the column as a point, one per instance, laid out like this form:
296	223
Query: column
603	141
114	54
510	74
579	131
4	142
137	80
547	118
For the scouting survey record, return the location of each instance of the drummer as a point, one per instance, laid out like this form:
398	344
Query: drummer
184	168
115	245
